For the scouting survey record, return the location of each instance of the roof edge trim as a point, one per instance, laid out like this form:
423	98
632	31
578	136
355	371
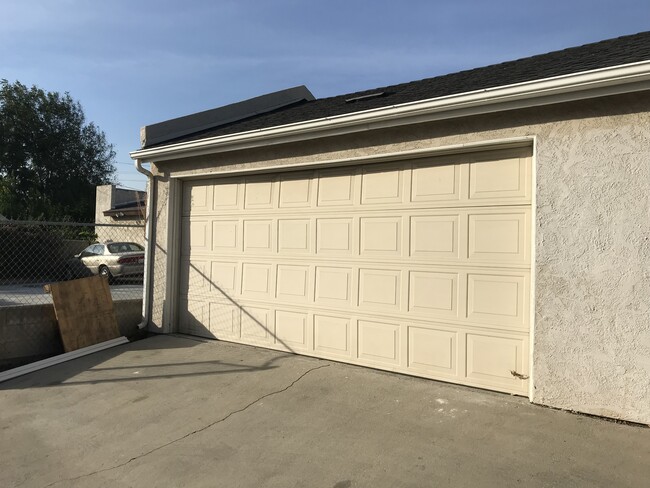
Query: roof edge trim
587	84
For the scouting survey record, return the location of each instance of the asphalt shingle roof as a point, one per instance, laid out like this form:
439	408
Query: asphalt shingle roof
603	54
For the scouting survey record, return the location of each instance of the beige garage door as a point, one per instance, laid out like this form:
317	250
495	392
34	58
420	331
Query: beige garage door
421	267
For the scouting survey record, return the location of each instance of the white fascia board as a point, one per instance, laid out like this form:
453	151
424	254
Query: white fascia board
589	84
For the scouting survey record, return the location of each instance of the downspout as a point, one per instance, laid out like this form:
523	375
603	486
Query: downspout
146	283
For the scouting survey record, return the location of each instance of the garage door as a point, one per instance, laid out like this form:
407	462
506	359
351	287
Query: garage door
420	267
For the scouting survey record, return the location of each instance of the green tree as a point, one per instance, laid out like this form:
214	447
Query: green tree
51	159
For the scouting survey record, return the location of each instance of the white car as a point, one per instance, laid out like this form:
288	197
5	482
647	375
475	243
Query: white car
110	260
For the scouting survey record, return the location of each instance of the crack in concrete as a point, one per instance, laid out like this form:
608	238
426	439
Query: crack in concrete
162	446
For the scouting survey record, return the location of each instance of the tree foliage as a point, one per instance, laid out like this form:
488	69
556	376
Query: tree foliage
51	159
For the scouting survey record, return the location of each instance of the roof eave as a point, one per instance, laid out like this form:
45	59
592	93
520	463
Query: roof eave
578	86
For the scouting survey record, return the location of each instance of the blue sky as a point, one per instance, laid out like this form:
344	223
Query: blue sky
132	63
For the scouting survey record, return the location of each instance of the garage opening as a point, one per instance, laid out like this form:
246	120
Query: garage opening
420	266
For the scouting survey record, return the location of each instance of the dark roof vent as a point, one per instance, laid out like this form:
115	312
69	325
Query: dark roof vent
365	97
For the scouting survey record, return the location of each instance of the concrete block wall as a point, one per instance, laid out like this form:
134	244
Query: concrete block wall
30	333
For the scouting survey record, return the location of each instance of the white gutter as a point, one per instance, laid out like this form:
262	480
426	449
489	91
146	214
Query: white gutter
148	230
589	84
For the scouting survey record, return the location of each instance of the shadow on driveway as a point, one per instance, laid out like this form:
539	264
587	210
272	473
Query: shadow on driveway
174	411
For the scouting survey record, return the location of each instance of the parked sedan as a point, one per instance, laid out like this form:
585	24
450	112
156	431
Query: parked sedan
110	260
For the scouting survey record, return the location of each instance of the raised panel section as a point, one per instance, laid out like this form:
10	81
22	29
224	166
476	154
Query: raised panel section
497	299
333	285
257	236
332	335
295	193
379	289
195	236
378	342
381	235
259	195
292	283
195	277
334	236
225	196
435	237
225	235
432	351
493	360
335	189
193	317
433	293
224	320
382	186
255	324
256	280
223	277
499	237
290	329
435	183
294	236
195	198
504	178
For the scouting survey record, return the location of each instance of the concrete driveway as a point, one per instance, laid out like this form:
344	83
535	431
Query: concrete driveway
176	412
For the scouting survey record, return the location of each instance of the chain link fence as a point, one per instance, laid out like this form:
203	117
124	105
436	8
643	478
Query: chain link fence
33	254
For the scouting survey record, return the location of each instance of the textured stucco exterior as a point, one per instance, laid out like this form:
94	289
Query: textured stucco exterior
106	197
591	332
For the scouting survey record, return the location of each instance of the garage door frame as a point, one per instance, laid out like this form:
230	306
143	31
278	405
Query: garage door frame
174	207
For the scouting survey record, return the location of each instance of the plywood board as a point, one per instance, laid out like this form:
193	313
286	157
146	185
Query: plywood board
84	311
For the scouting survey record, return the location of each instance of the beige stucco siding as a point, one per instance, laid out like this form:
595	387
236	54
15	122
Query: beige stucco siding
591	330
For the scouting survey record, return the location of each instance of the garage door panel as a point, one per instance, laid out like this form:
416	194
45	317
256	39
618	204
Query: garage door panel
256	324
193	318
293	283
226	195
224	277
382	185
196	198
433	351
497	298
336	189
334	236
224	321
196	236
259	194
421	267
291	329
381	236
257	279
492	360
499	236
378	342
333	286
295	236
506	178
380	289
434	293
258	236
195	276
296	192
436	237
226	237
332	335
437	183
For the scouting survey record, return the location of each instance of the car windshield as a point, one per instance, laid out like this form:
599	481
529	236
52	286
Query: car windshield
118	247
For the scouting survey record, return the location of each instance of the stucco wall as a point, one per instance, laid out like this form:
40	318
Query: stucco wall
106	197
591	336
